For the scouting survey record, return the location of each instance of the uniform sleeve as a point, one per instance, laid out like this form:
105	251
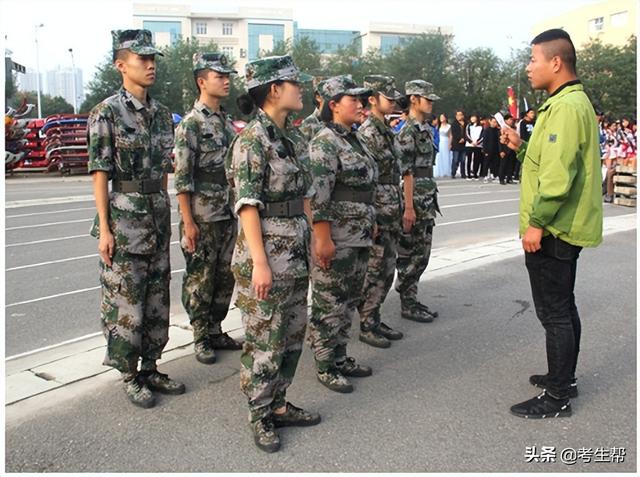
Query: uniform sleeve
185	156
406	152
248	167
561	145
323	158
101	140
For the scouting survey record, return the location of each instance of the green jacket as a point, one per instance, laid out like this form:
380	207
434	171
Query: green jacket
561	188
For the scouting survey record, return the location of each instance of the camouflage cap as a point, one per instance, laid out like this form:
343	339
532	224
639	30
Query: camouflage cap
342	84
212	61
272	68
138	41
421	88
385	85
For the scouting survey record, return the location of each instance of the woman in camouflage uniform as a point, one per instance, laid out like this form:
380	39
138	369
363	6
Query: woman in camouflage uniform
344	179
271	256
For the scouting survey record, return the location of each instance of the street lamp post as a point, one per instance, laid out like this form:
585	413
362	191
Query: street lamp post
38	70
73	80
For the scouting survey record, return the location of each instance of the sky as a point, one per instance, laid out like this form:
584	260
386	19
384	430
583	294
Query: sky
85	25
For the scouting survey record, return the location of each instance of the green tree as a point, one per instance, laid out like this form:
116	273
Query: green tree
50	105
609	76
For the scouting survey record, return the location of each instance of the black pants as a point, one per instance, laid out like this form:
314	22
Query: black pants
552	273
457	159
516	170
474	160
489	163
507	163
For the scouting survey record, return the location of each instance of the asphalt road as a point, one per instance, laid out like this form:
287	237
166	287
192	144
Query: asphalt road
438	400
52	292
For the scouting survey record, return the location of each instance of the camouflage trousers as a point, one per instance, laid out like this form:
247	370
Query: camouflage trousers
135	308
381	269
414	251
207	284
274	335
335	296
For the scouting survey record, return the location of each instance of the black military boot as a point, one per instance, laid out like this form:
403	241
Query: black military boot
224	341
161	382
540	380
424	307
411	311
137	391
265	435
543	406
374	339
294	416
389	332
350	368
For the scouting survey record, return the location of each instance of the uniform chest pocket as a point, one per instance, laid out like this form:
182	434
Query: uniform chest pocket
356	169
283	175
130	154
211	152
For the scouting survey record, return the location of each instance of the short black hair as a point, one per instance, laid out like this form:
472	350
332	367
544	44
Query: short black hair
561	45
200	74
507	116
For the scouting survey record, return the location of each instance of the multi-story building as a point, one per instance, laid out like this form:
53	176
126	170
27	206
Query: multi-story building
244	33
60	83
611	21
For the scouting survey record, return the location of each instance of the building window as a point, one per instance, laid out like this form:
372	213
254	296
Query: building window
201	28
619	19
227	29
228	50
596	24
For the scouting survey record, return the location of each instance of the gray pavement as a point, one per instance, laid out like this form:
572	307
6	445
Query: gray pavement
438	400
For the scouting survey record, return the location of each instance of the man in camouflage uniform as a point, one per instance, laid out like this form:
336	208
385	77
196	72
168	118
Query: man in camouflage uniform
312	123
130	141
207	227
268	175
417	157
380	141
344	179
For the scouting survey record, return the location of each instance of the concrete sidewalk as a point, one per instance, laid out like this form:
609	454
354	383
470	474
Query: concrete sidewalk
41	372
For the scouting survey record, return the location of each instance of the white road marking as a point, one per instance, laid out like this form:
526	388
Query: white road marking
49	212
20	244
479	203
48	224
477	219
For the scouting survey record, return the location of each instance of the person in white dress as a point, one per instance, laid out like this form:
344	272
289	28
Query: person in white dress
443	158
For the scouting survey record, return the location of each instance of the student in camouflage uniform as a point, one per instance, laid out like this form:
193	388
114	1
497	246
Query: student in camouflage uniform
380	140
417	158
207	227
312	124
344	179
130	142
271	257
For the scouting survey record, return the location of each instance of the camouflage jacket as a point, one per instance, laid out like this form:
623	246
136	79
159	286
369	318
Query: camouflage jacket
264	167
415	143
338	157
311	125
132	141
202	140
381	142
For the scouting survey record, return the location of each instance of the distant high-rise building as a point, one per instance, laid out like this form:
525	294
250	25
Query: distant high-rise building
29	81
60	83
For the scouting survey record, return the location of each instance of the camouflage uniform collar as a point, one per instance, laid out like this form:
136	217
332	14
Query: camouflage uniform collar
339	129
272	128
423	126
134	103
381	126
316	114
206	110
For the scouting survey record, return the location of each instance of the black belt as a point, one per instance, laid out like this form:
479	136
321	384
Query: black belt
286	208
389	179
145	186
217	177
424	172
343	193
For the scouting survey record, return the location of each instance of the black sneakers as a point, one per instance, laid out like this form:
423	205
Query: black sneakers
540	380
265	436
294	416
542	406
353	369
389	332
377	340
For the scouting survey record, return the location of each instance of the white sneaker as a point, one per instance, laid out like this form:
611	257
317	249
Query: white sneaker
486	180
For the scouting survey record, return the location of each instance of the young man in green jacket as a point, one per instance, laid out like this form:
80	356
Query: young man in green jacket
560	212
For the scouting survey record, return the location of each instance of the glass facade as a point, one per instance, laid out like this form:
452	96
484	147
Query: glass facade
330	40
389	42
173	28
262	29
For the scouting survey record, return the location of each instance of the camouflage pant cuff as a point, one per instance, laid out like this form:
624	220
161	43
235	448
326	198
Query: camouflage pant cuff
324	366
259	413
148	365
